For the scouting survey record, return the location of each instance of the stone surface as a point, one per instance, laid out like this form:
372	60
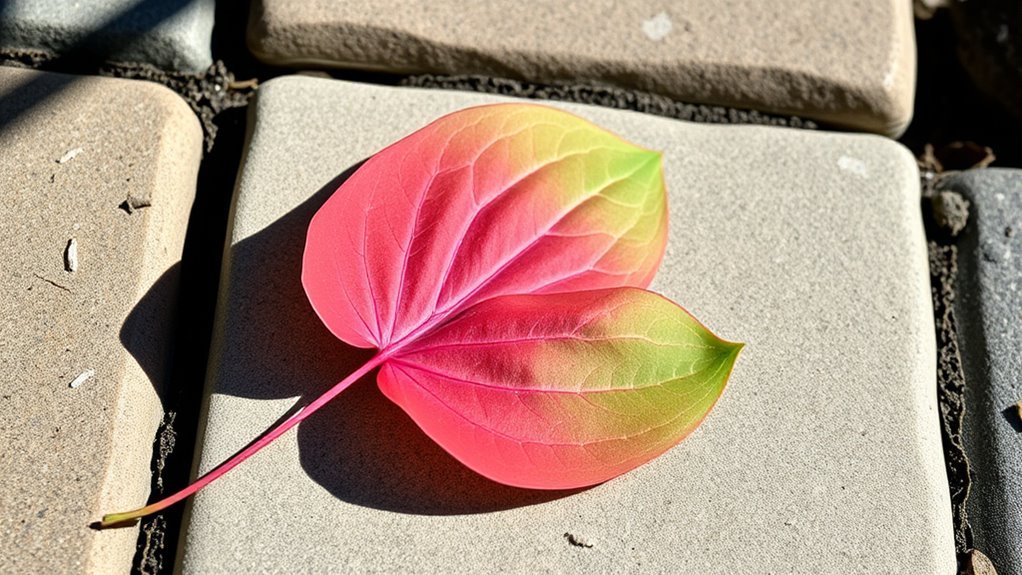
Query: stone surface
846	63
74	149
989	308
825	447
170	34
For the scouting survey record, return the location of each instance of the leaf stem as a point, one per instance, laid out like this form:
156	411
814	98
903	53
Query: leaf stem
128	517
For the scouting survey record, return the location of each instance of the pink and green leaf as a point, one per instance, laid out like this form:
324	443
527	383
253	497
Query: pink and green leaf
489	201
495	258
562	390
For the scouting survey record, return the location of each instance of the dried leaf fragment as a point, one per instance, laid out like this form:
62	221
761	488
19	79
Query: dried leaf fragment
135	202
71	255
577	541
69	155
82	378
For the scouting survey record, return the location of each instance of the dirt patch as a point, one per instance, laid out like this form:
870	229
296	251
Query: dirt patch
608	97
945	215
151	542
150	548
950	386
208	94
24	58
166	439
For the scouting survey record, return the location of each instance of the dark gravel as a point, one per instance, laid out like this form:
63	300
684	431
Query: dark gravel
607	96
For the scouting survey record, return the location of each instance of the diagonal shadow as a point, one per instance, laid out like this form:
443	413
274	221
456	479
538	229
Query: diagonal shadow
361	447
86	53
115	35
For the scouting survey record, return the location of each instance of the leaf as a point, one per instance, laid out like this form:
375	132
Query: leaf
495	258
488	201
564	390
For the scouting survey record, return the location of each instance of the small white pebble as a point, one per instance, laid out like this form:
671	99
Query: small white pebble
82	378
888	81
71	255
658	27
853	165
70	155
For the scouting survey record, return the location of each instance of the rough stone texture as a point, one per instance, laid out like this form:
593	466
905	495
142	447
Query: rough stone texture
990	48
846	63
69	455
170	34
824	449
989	307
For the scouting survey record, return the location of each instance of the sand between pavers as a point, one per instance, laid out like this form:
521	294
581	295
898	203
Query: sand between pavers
825	447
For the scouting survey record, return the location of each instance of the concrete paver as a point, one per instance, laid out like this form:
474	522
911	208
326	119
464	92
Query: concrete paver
846	63
808	246
169	34
988	308
82	352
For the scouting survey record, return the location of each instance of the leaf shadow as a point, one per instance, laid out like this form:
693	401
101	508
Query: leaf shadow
361	447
